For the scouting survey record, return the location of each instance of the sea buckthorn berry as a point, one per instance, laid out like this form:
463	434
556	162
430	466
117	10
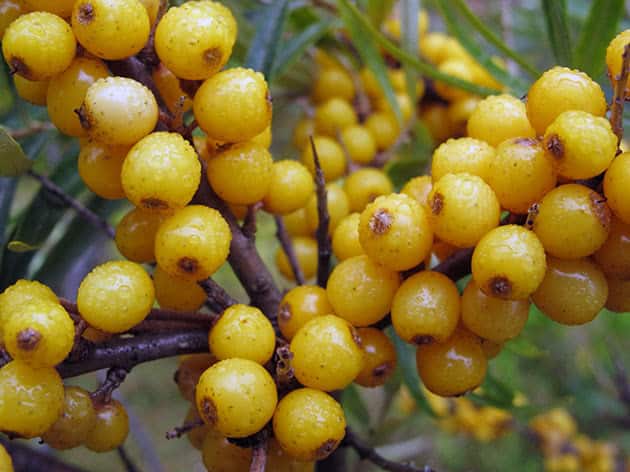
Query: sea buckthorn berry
359	144
135	234
462	155
190	368
333	82
453	50
10	10
614	255
117	110
67	92
461	69
573	291
233	105
304	128
379	358
433	46
560	89
32	399
220	455
296	224
62	8
392	26
404	105
263	138
115	296
21	293
490	348
237	397
40	333
309	424
361	291
327	353
193	243
242	331
436	118
205	30
111	427
76	421
152	7
572	221
345	239
177	294
371	87
459	113
38	45
581	145
394	231
364	185
616	181
618	295
290	187
419	188
280	461
176	100
492	318
614	59
299	305
337	204
426	308
32	92
463	209
197	435
111	29
305	249
509	263
95	336
331	157
333	116
453	367
6	463
500	117
521	174
384	129
100	167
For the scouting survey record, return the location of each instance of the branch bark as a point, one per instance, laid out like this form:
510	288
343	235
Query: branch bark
287	247
324	249
619	95
28	459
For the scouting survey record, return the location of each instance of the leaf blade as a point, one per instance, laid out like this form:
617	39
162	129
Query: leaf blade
13	160
556	20
409	11
264	45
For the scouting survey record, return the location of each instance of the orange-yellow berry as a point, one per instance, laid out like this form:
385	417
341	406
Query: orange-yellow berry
333	82
177	294
614	58
111	428
337	204
135	234
189	371
176	100
364	185
614	255
379	358
100	168
616	183
333	116
500	117
359	143
220	455
76	421
299	305
618	295
419	188
31	91
331	157
384	129
290	187
462	155
345	239
305	249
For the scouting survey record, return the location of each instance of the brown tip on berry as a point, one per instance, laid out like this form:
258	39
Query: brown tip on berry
555	147
213	56
154	204
327	447
500	287
18	66
209	411
419	339
86	13
383	370
84	118
380	222
28	339
437	203
284	312
188	264
600	208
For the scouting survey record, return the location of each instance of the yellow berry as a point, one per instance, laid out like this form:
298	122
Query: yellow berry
384	129
296	223
337	204
111	428
462	155
364	185
614	255
10	10
220	455
490	348
333	82
62	8
618	295
304	128
135	234
435	117
76	421
379	358
95	336
500	117
459	113
152	7
345	239
392	25
189	371
419	188
614	59
31	91
100	166
433	46
280	461
305	249
6	463
263	138
299	305
176	100
333	116
290	187
115	296
331	157
616	181
177	294
404	105
461	69
371	87
21	293
359	143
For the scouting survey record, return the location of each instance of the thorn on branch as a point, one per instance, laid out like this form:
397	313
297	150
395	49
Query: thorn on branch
287	247
114	379
218	298
179	431
324	249
619	96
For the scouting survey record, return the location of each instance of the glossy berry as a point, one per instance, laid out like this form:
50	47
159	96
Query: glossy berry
296	224
462	155
21	293
333	116
461	69
500	117
76	421
365	185
304	128
290	187
135	234
419	188
111	428
614	255
379	358
100	168
309	424
359	143
345	239
115	296
236	396
177	294
384	129
618	295
220	455
459	112
333	82
616	183
509	263
361	291
305	249
31	91
337	204
176	100
300	305
331	157
190	368
435	116
193	243
614	59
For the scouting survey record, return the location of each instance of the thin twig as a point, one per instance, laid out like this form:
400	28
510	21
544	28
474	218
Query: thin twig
287	247
126	460
457	265
259	457
621	382
34	127
324	249
619	95
26	458
218	298
383	157
179	431
249	223
114	379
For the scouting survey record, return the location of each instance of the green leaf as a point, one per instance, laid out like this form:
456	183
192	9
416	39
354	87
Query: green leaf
296	46
558	30
354	406
13	161
20	246
600	27
409	11
377	10
522	347
264	45
414	156
495	392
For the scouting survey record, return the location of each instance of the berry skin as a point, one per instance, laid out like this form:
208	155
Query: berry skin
40	333
379	358
492	318
309	424
404	105
454	367
177	294
509	263
280	461
573	291
460	111
500	117
111	29
365	185
462	155
190	368
115	296
327	353
135	234
490	348
38	45
461	69
437	120
521	174
100	167
62	8
32	92
345	240
331	157
193	243
581	145
10	10
296	223
220	455
76	421
237	397
426	308
305	249
177	101
118	111
245	332
21	293
263	138
304	128
394	231
300	305
32	399
253	166
337	204
334	116
616	182
333	82
233	105
362	291
111	428
618	295
290	187
572	221
384	129
419	189
6	463
560	89
614	255
614	59
463	209
359	143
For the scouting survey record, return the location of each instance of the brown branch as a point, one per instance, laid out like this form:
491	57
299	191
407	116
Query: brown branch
29	459
33	128
179	431
114	379
126	460
218	298
324	249
259	457
457	265
384	156
621	382
619	95
249	223
287	247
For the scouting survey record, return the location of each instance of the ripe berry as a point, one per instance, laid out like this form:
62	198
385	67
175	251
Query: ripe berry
394	231
21	293
176	100
304	128
220	455
426	308
345	240
331	157
463	209
492	318
10	10
135	234
309	424
111	428
616	183
190	368
462	155
419	188
177	294
100	166
404	105
327	353
573	291
306	254
333	116
618	295
32	399
459	112
337	204
490	348
290	187
453	367
296	224
115	296
461	69
384	129
379	358
614	255
500	117
359	144
62	8
436	118
300	305
614	59
572	221
362	291
31	91
237	397
509	263
6	463
193	243
263	138
280	461
333	82
365	185
76	421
